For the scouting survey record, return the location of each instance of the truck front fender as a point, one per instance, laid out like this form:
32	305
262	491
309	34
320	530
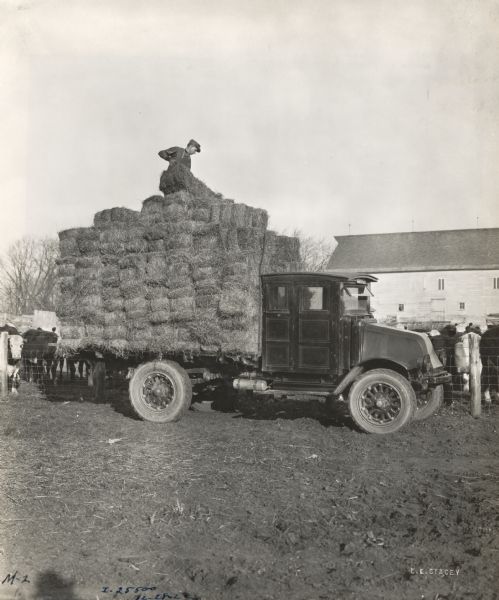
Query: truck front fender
348	379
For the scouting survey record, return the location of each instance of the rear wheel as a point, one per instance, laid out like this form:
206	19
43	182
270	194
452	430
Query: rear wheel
160	391
429	402
381	401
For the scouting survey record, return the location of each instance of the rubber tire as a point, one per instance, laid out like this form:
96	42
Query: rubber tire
401	385
182	389
433	404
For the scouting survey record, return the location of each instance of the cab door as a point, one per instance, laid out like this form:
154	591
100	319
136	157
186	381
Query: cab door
314	333
278	326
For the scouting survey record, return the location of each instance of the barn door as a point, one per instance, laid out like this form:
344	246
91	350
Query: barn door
437	308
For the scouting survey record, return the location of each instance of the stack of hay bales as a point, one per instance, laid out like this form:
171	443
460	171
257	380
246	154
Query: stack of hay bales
181	274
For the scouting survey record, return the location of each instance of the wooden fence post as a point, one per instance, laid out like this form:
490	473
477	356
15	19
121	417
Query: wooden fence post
4	352
475	375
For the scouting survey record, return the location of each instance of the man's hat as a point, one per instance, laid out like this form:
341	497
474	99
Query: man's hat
195	144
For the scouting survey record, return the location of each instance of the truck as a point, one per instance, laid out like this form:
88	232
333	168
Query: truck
318	338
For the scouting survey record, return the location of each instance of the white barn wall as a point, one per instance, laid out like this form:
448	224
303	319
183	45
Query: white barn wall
419	293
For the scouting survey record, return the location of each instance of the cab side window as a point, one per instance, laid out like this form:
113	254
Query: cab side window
312	298
278	297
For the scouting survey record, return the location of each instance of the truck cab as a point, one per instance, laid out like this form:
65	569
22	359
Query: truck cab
319	337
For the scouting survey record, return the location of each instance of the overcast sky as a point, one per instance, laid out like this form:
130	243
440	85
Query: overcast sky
373	113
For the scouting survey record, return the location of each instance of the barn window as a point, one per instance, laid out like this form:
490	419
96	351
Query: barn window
462	305
401	307
441	284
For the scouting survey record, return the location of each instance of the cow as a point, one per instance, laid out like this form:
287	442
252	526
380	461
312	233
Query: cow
489	353
39	354
14	355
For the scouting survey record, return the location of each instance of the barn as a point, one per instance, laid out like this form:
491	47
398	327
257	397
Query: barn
427	277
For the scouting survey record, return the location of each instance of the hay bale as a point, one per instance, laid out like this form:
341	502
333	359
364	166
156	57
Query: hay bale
88	262
239	283
207	242
159	304
159	316
233	302
68	248
137	245
241	216
235	323
181	292
117	215
155	269
163	337
85	288
88	241
176	212
114	317
155	232
132	261
259	219
238	268
66	267
114	332
178	270
138	318
68	242
66	284
110	276
250	239
226	213
113	235
178	241
208	287
156	291
201	273
207	301
113	304
117	347
153	206
209	257
94	331
201	214
182	309
131	289
137	303
155	246
72	331
178	178
110	294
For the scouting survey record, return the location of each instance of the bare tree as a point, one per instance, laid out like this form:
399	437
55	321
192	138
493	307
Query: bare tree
314	252
28	275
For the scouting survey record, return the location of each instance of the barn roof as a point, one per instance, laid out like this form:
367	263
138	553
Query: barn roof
457	249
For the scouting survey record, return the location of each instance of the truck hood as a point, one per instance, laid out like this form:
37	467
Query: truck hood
407	348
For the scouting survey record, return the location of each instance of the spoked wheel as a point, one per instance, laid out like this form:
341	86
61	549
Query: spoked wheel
429	402
160	391
381	401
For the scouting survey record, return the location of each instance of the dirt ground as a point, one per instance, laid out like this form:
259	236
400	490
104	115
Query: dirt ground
279	501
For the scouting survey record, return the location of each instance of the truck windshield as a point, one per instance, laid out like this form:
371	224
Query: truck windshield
355	299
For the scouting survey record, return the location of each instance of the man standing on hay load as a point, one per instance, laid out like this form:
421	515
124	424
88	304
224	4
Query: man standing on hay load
181	155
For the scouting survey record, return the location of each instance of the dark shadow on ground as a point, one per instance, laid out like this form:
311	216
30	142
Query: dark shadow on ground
50	586
331	414
78	390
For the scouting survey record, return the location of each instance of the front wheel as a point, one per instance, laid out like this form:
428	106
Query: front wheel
381	401
429	402
160	391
